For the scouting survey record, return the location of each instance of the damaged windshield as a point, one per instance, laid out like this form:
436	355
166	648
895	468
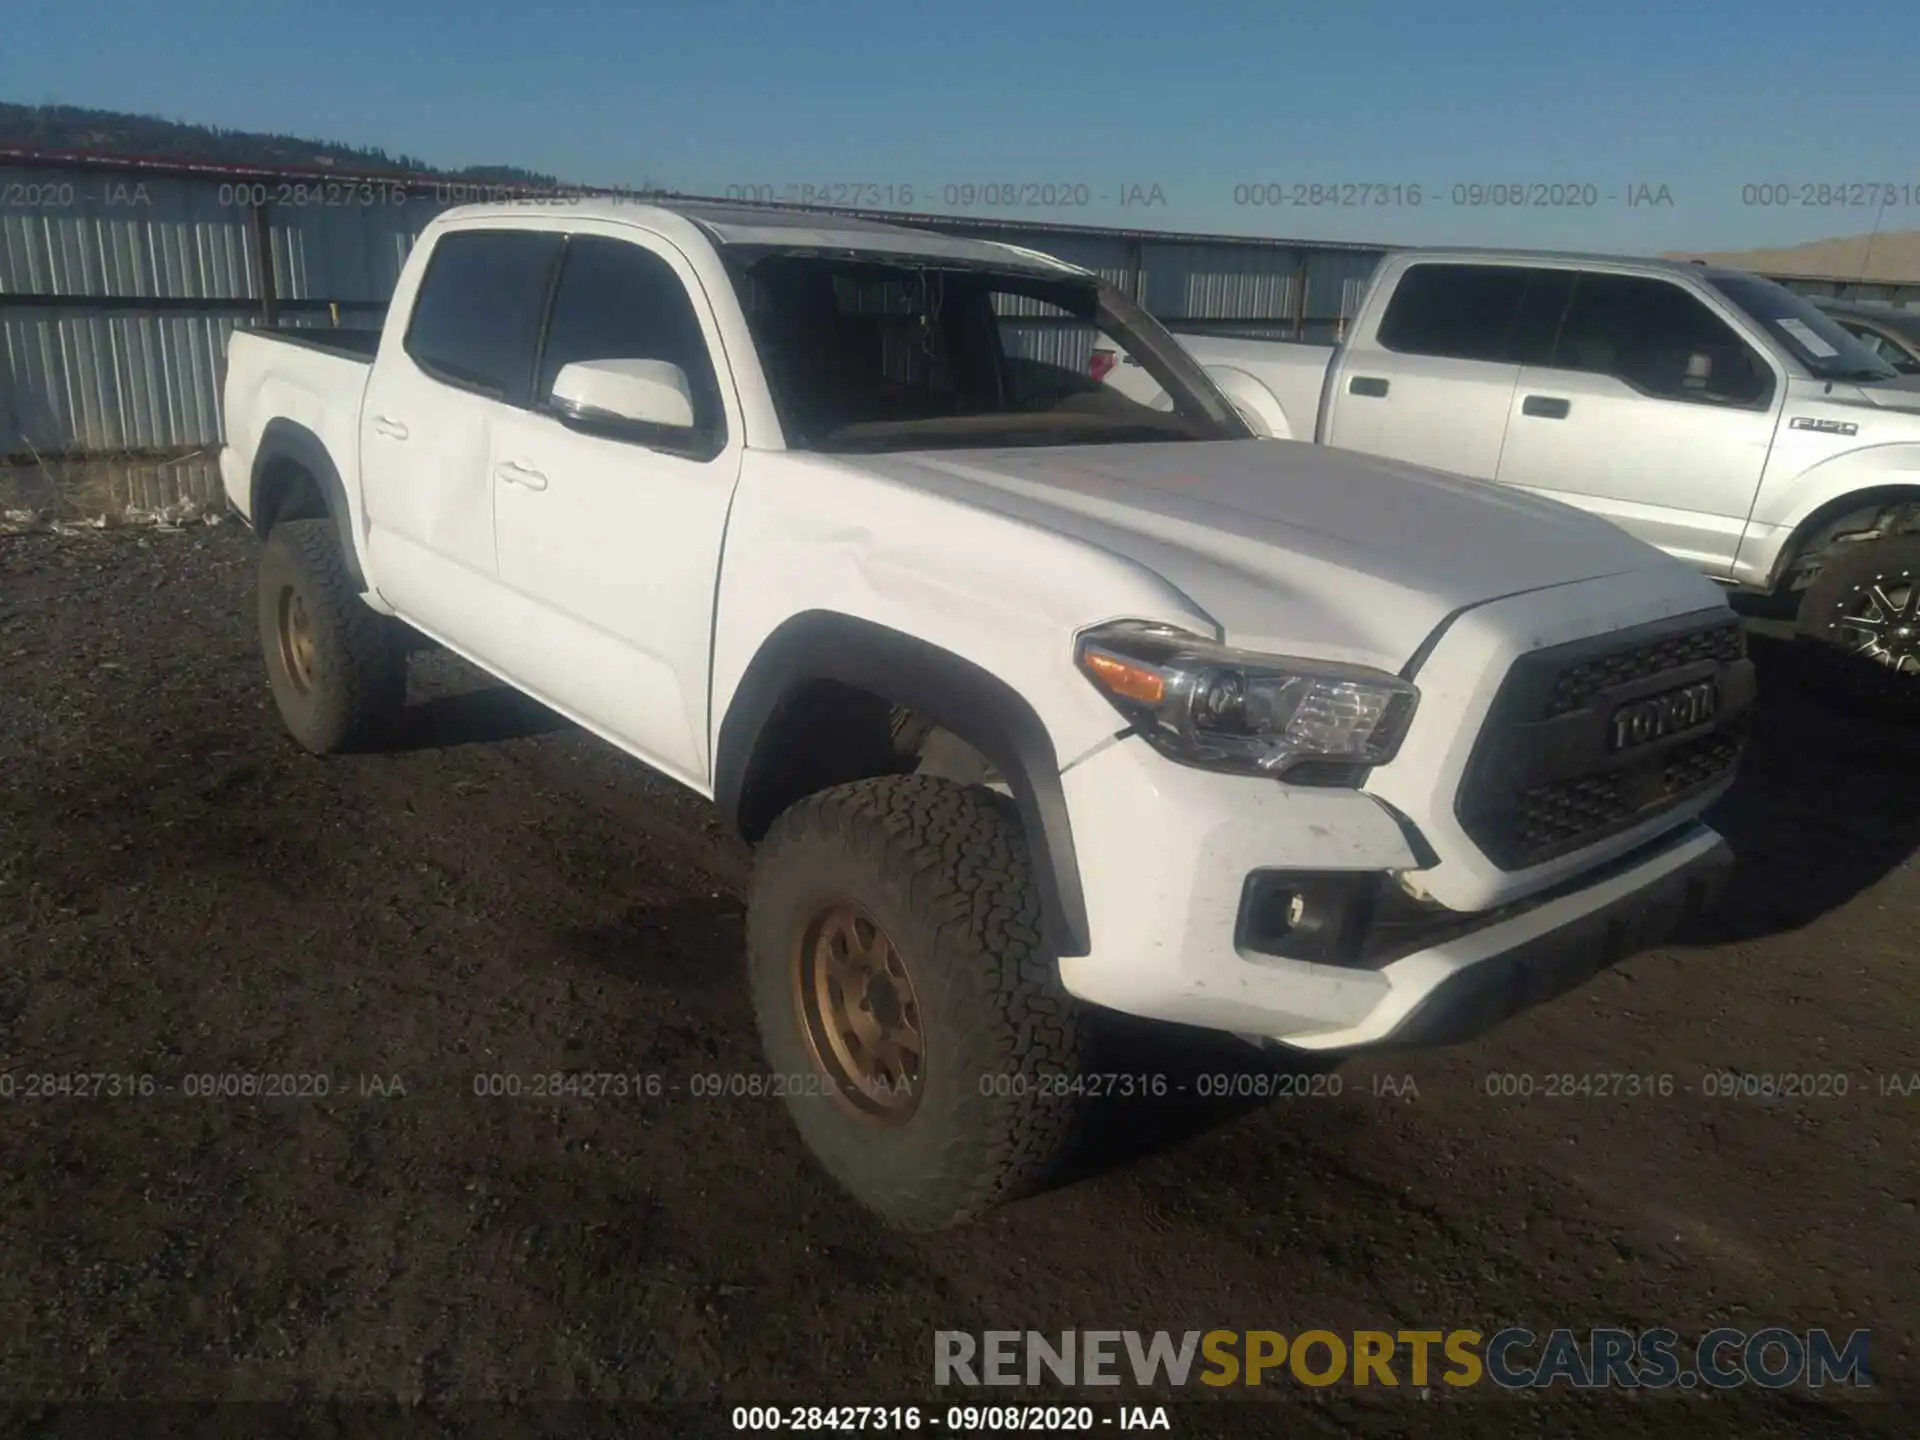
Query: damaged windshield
866	352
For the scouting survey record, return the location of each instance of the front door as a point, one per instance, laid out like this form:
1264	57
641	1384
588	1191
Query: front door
1652	411
609	548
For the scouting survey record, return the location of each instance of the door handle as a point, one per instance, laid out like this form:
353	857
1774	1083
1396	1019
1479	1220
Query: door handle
389	427
515	473
1366	385
1547	407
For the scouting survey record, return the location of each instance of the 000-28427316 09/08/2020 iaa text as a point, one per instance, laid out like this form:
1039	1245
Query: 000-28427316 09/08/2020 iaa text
959	1420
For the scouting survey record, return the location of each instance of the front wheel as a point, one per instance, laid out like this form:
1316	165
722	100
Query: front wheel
907	1002
1862	617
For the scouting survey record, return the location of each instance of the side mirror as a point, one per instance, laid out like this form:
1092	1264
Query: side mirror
621	393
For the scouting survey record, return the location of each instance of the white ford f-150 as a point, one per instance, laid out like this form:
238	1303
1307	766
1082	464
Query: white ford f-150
1033	699
1712	413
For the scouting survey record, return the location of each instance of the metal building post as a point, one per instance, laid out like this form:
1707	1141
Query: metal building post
263	257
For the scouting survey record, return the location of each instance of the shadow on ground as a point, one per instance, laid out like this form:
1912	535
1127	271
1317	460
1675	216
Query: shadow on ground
476	717
695	941
1827	803
1160	1086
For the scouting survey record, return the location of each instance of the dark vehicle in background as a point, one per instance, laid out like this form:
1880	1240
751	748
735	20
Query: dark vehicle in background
1890	332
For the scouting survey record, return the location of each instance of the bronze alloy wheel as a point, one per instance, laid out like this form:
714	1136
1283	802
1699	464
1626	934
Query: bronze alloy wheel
336	665
895	957
1882	624
296	639
858	1012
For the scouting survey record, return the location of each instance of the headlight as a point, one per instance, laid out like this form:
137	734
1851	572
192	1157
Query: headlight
1222	709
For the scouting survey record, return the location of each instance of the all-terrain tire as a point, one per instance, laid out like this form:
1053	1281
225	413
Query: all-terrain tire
1842	591
944	870
337	667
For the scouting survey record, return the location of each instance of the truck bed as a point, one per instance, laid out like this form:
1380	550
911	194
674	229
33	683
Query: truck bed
312	378
1289	374
352	344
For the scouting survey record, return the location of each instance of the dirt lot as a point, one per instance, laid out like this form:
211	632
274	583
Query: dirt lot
183	893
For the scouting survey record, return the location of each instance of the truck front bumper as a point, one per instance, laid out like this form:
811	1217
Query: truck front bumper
1168	903
1466	985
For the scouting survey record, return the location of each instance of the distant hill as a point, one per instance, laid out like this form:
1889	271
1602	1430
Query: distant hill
1888	258
70	127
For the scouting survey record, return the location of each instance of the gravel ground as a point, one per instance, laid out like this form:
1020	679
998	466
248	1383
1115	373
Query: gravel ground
184	893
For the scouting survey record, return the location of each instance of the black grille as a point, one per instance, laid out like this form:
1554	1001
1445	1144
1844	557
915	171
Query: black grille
1543	781
1580	683
1553	819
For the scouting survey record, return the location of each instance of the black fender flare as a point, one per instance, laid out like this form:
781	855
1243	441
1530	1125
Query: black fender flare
953	692
1826	520
288	440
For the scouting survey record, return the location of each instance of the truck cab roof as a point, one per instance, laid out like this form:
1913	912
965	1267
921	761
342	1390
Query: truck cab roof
1580	258
781	226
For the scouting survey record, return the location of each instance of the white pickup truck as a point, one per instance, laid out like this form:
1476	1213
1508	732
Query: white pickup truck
1034	699
1712	413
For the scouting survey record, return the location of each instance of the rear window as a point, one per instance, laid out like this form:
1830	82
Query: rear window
476	320
1460	312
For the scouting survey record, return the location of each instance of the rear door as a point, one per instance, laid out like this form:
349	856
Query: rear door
609	545
1649	408
464	360
1432	383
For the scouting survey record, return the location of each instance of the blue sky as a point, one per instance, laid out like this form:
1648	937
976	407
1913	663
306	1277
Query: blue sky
1194	98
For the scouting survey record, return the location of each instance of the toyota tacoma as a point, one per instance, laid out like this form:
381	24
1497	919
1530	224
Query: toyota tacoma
1034	700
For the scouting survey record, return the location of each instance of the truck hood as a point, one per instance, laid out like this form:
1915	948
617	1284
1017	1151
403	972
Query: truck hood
1290	547
1900	394
1890	407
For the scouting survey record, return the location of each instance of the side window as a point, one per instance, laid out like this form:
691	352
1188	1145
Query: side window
1461	312
619	301
1882	346
1865	336
476	319
1898	356
1654	336
1536	329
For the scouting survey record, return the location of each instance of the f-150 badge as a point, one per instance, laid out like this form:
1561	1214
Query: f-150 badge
1825	427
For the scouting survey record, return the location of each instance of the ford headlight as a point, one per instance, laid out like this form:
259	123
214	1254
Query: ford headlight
1219	708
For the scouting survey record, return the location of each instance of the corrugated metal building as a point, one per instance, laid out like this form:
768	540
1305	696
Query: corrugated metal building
119	284
121	279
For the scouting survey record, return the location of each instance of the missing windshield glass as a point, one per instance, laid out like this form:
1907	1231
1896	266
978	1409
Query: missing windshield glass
888	352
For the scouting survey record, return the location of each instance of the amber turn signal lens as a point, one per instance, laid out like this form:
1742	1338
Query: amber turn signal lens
1131	682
